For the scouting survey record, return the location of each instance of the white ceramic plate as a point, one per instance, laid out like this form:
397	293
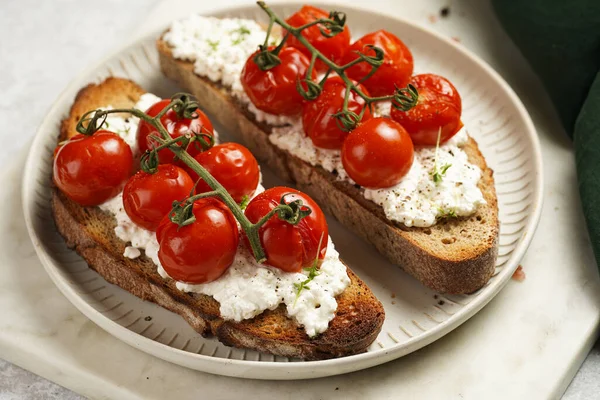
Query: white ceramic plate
415	315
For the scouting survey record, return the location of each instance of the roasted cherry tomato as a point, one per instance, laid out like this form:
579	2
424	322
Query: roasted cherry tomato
147	198
397	64
93	169
378	153
274	91
175	126
318	116
333	48
289	247
439	107
203	250
233	166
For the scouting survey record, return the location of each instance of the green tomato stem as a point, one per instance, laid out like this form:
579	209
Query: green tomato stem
251	230
339	70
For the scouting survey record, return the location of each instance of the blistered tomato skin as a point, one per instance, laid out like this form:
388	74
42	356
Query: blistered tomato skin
147	198
202	251
333	48
289	247
233	166
318	118
378	153
396	69
438	110
92	169
175	126
274	91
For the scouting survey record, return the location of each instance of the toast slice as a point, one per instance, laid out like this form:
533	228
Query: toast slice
90	232
454	256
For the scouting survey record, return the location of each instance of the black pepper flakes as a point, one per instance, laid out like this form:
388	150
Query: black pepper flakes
445	12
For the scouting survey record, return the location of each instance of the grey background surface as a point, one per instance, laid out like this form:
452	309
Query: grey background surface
43	46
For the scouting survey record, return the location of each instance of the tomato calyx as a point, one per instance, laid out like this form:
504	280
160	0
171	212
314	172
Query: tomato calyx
313	89
150	160
405	98
374	56
291	212
182	214
184	105
375	61
267	59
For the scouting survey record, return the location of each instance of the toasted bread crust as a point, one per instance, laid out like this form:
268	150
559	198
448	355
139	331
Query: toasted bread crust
90	232
455	256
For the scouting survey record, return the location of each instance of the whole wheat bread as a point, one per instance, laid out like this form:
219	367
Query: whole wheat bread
90	232
454	256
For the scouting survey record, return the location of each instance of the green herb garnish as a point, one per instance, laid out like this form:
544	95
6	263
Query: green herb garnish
242	31
213	45
438	172
313	271
244	202
447	214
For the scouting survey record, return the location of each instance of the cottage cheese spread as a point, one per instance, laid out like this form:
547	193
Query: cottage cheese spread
247	288
219	49
416	201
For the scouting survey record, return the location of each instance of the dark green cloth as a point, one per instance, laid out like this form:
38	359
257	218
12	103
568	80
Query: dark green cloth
561	41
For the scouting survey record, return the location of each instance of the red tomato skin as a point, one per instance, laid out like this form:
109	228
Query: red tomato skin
176	127
202	251
92	169
274	91
397	64
378	153
439	106
233	166
333	48
147	198
317	116
289	247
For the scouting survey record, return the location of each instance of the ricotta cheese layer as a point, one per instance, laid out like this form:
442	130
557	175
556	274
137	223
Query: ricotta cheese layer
247	288
416	201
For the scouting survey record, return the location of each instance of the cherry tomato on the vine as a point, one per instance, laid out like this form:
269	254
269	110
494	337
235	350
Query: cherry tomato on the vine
92	169
203	250
147	198
318	115
333	48
397	64
289	247
233	166
274	91
438	107
378	153
175	126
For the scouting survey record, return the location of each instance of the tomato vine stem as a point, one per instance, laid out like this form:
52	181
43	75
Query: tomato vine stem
291	213
402	99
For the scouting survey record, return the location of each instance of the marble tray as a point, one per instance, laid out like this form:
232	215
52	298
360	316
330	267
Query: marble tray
527	343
